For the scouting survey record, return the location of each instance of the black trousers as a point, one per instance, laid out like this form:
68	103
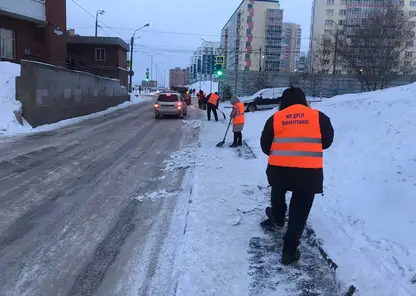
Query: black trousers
299	209
213	108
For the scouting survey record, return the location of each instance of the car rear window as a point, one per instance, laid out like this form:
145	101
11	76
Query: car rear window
168	98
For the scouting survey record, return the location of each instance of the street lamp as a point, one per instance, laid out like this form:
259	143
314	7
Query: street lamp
101	12
131	73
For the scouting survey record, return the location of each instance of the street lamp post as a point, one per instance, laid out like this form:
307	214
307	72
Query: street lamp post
131	73
101	12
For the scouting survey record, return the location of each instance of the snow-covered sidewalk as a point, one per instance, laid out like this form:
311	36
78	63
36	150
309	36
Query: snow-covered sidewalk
365	221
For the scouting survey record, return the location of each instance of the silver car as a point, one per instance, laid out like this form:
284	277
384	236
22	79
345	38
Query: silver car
170	104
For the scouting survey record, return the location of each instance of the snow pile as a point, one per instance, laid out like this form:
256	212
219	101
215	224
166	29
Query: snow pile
157	195
365	220
180	159
205	86
192	123
8	102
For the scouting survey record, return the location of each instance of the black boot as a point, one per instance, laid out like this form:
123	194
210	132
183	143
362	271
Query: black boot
289	257
280	222
240	139
234	144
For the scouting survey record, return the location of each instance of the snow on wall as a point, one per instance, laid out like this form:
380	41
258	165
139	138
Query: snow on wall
8	102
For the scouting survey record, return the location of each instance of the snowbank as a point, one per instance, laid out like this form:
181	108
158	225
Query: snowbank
205	86
17	129
365	220
8	102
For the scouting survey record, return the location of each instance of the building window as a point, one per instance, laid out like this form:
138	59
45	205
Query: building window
412	13
343	2
100	54
330	2
7	44
342	12
412	3
329	12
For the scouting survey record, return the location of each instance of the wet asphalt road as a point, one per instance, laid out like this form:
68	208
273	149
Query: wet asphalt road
69	222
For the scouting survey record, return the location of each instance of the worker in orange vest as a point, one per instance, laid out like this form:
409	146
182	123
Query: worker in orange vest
238	119
213	100
294	139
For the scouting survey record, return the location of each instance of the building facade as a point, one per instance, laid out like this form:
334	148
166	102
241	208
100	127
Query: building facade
203	61
179	76
33	29
252	37
102	56
291	42
332	17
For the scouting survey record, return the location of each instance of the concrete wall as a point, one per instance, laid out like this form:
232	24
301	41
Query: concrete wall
249	82
50	94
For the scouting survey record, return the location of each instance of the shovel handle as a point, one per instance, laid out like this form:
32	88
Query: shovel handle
228	127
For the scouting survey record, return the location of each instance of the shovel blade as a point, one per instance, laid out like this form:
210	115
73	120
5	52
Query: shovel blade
220	144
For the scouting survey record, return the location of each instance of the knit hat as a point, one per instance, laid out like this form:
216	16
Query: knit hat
292	96
234	99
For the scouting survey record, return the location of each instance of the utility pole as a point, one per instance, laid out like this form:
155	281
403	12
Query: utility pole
101	12
260	60
335	53
131	64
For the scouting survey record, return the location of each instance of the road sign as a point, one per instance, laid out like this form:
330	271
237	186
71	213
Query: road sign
131	73
220	60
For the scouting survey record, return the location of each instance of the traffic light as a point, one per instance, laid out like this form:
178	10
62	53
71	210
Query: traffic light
218	70
147	76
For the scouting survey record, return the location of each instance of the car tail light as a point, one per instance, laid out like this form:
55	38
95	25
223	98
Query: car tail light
156	105
179	105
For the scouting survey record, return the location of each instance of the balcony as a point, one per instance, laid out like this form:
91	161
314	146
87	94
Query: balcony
29	10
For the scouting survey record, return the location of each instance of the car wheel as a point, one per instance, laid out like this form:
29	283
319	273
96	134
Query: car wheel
252	108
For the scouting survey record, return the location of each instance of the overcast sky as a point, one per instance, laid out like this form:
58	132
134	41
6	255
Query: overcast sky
176	27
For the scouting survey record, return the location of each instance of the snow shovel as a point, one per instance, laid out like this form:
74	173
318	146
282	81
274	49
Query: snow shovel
220	144
223	114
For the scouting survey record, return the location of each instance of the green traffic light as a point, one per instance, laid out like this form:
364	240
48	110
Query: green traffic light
219	73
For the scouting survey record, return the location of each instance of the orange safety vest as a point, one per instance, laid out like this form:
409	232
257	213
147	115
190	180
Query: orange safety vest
213	99
297	141
239	114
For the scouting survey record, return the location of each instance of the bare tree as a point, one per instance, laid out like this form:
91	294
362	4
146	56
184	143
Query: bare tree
376	48
320	62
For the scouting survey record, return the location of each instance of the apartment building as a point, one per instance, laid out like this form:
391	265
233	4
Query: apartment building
178	77
291	42
331	17
203	61
252	37
33	29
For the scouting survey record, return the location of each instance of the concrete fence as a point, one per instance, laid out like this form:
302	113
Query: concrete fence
50	94
244	83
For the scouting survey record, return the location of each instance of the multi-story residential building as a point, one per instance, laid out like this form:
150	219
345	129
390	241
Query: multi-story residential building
203	61
252	37
340	17
302	64
291	42
178	77
33	29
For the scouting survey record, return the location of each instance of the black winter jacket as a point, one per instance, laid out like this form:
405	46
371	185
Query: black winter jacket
295	179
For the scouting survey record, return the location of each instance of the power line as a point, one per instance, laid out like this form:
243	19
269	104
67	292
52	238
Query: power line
93	16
